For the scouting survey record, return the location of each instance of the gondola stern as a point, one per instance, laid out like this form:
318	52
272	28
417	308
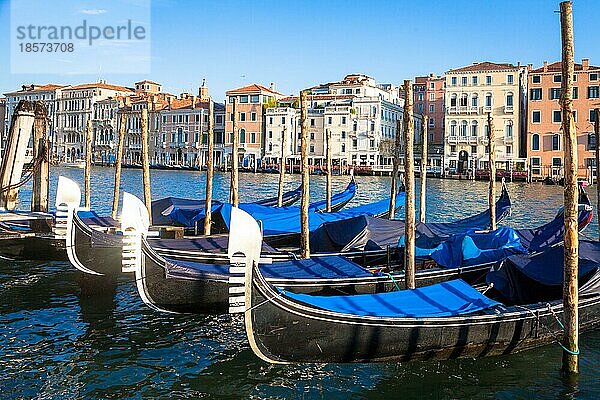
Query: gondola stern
68	198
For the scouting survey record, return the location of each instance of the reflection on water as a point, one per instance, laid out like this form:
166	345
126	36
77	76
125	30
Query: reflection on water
59	341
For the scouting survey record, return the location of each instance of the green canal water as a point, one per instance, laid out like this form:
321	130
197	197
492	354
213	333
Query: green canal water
56	343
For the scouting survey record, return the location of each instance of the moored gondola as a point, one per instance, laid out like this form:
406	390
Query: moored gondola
442	321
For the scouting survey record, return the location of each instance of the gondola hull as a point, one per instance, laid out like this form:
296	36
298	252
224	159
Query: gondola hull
281	330
33	247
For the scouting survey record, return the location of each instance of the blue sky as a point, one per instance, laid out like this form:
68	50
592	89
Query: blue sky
299	44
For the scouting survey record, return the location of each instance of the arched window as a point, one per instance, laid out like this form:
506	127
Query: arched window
556	142
464	99
474	100
242	135
474	128
463	128
535	141
509	99
453	100
509	129
488	99
453	128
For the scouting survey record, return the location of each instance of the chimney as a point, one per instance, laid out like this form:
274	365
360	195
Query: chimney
272	86
545	66
193	102
203	91
23	87
529	67
585	63
169	99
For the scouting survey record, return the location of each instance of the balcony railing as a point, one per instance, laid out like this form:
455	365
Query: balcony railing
462	139
509	109
487	109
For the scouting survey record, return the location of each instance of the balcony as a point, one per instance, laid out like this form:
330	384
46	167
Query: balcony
462	139
509	109
487	109
463	110
509	139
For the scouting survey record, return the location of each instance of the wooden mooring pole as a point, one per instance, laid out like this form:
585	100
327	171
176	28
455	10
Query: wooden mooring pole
209	167
328	161
118	161
233	191
596	134
304	227
41	155
422	194
492	157
570	363
395	167
409	181
146	162
88	161
282	167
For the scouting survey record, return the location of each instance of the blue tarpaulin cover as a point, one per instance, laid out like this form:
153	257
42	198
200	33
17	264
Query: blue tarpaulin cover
286	220
313	268
440	300
338	198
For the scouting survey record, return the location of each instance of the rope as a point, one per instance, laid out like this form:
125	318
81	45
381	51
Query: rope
574	353
35	167
392	279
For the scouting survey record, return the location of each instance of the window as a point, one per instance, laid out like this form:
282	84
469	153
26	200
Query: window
432	122
420	108
354	143
488	100
344	120
372	143
254	98
431	96
592	115
464	98
554	93
343	134
556	161
464	81
473	150
594	77
535	94
556	116
453	148
453	101
312	136
474	128
575	115
556	142
591	142
453	80
557	78
329	120
242	135
474	80
509	130
575	93
453	128
509	100
510	79
474	100
253	116
462	130
243	99
242	116
488	80
431	108
592	92
312	148
536	116
282	120
536	79
431	85
270	134
535	142
343	147
253	137
312	122
509	149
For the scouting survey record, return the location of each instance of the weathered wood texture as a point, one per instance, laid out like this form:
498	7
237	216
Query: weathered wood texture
492	187
233	191
409	181
596	134
88	161
395	168
304	200
422	192
146	163
209	167
328	161
282	167
118	165
571	235
41	156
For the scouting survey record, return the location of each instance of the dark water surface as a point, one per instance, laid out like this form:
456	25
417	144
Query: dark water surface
58	344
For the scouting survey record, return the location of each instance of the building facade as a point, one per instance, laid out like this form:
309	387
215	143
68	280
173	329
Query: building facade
428	92
75	106
473	92
544	137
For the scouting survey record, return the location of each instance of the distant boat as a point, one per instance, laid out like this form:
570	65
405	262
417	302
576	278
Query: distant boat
79	163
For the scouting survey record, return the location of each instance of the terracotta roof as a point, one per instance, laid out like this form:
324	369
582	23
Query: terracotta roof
150	82
101	86
186	104
252	88
557	67
321	97
39	88
483	66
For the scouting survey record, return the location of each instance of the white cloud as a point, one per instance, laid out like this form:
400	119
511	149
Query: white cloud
94	12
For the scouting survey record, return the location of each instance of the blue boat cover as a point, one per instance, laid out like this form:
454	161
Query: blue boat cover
473	248
525	279
91	218
286	220
366	233
331	267
288	198
440	300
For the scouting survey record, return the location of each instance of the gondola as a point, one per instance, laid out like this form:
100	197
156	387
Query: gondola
443	321
176	285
